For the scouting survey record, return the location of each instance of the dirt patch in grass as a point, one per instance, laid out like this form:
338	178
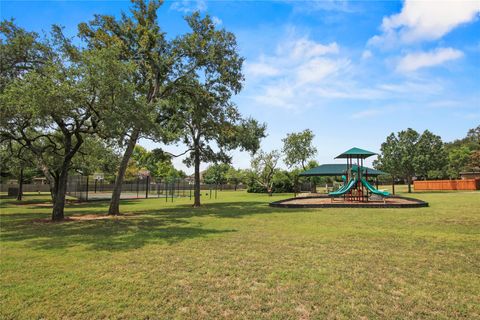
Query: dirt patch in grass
86	217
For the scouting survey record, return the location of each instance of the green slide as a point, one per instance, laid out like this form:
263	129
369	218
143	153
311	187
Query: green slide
344	189
373	190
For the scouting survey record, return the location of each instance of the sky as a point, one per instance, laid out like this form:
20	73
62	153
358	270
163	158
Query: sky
352	72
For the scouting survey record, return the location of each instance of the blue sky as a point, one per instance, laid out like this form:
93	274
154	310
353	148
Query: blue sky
352	72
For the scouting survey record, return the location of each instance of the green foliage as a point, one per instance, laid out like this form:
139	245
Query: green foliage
458	159
155	164
53	109
95	156
430	157
410	154
20	52
298	148
216	173
463	154
264	167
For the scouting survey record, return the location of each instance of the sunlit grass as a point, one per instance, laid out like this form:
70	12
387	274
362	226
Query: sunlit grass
238	258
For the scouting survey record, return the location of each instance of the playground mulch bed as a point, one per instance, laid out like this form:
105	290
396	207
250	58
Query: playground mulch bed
326	202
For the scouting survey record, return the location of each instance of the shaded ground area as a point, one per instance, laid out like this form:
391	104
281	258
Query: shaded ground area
238	258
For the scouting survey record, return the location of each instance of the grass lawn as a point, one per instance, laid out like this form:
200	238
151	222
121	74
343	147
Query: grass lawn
237	258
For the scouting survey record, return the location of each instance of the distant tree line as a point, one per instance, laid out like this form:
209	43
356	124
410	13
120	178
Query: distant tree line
407	155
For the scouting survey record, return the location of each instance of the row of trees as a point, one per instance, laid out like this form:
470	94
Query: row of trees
409	154
119	80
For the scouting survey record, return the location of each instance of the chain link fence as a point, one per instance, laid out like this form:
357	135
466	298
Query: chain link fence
87	188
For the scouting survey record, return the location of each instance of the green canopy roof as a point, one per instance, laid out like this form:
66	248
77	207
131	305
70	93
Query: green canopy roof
338	170
356	153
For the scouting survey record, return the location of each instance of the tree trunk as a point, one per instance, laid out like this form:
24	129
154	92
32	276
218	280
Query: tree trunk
393	185
20	186
117	188
60	190
409	181
196	187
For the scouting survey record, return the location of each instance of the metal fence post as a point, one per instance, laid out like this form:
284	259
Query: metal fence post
148	185
86	193
137	187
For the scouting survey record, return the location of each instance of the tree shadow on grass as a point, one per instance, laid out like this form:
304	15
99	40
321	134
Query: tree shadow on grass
237	209
168	225
125	233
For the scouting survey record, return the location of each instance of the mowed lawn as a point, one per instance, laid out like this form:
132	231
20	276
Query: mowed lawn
237	258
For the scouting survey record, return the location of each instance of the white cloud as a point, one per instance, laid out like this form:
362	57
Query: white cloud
303	48
260	69
418	60
187	6
290	76
425	20
315	70
217	21
367	54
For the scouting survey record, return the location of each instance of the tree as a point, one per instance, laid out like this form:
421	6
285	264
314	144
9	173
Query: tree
458	159
20	52
201	109
264	167
430	155
398	154
235	176
95	156
19	163
298	148
51	110
216	173
474	161
143	44
463	153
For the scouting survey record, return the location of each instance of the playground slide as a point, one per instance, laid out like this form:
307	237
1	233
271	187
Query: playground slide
342	187
344	190
373	190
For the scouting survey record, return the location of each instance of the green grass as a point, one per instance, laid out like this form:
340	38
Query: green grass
237	258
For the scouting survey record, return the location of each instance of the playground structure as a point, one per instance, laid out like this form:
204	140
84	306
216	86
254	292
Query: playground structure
357	187
355	176
356	190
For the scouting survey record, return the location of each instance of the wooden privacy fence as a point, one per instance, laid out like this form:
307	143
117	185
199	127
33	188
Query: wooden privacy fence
466	184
